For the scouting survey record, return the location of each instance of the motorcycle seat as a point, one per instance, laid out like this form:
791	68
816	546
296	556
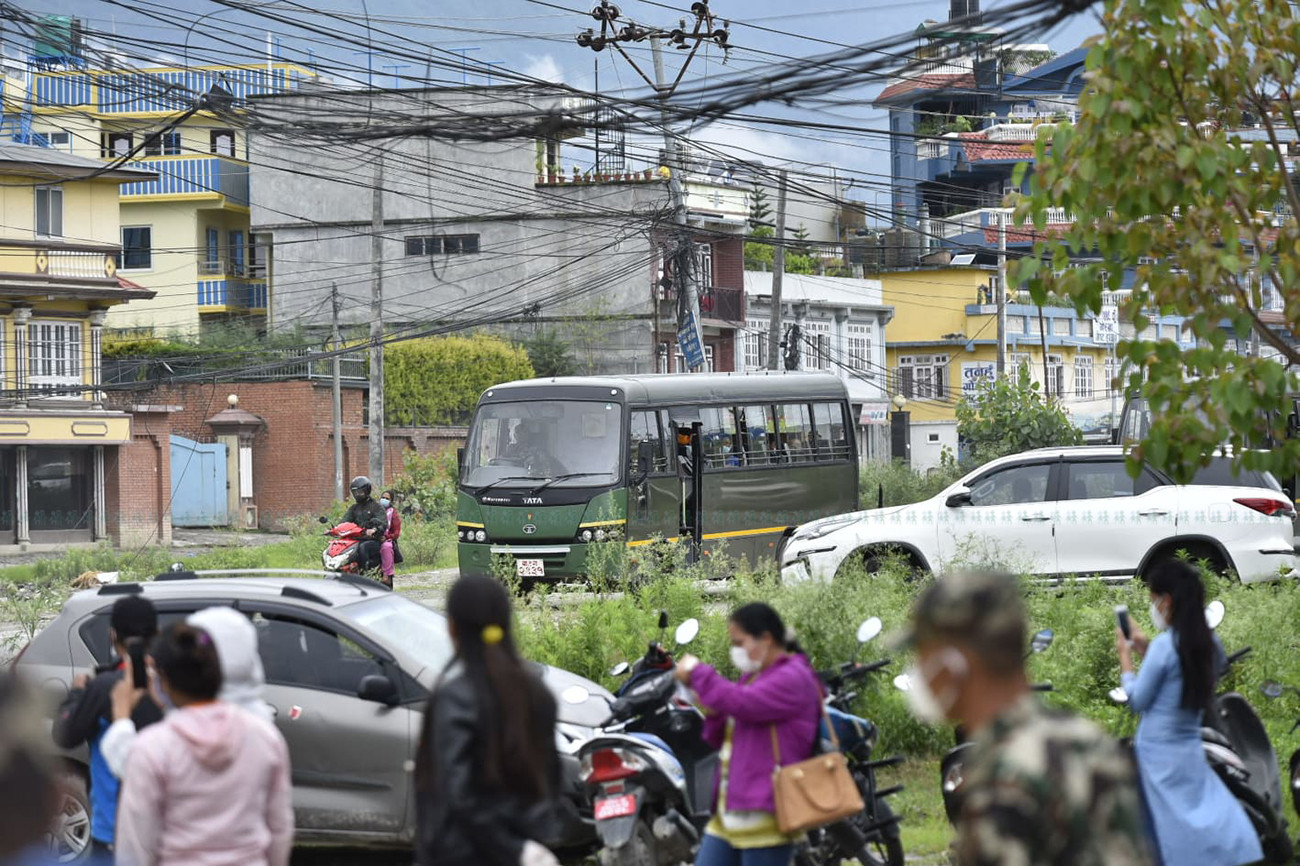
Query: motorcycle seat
1210	735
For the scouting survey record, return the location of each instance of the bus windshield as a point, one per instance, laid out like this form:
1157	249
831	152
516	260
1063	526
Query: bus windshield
569	443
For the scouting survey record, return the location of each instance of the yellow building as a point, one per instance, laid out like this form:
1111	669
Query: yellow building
59	245
942	342
184	233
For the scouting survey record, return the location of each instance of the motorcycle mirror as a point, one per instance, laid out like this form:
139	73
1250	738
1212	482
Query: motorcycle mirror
322	519
1042	640
1272	689
687	631
1118	695
903	683
1214	614
575	695
663	619
619	669
869	629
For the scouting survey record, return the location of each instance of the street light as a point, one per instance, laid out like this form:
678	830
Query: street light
900	444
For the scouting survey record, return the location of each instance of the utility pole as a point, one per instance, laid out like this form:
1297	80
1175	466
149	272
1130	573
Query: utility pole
778	273
377	326
690	337
1002	293
337	402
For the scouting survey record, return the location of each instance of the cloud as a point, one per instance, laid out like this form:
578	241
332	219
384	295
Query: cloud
544	68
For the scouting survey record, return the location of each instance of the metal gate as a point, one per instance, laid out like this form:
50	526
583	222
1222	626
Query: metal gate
198	483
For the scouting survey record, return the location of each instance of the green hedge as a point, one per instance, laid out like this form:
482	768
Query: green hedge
438	380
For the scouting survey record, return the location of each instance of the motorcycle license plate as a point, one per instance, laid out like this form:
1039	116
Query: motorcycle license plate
615	807
530	568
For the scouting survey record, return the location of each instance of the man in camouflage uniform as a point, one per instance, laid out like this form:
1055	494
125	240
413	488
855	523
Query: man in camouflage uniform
1042	787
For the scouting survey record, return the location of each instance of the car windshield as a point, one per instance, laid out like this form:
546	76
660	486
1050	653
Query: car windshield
413	628
570	443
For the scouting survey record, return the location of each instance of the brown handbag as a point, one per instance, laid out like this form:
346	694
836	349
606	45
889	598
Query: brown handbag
815	792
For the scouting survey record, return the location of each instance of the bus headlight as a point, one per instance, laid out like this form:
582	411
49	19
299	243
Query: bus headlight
480	536
460	534
586	535
600	535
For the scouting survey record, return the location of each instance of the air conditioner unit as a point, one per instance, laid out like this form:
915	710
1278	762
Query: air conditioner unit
248	517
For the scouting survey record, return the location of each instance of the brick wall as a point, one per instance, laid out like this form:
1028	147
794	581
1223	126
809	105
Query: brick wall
293	454
137	483
729	263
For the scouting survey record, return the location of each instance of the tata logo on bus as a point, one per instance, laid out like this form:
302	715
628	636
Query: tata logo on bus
532	500
529	528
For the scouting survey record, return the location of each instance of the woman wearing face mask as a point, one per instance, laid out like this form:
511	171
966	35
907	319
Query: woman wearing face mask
777	693
389	555
1197	820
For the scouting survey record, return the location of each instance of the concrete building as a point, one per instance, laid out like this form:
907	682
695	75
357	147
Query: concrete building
842	321
484	234
67	463
185	232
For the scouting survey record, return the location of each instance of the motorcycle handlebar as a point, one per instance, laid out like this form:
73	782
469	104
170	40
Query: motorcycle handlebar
1238	656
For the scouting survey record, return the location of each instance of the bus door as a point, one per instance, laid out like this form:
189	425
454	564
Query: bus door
654	492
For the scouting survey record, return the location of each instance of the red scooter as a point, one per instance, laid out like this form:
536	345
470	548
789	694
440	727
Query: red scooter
343	553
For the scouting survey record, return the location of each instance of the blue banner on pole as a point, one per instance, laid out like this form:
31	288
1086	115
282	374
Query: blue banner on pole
688	338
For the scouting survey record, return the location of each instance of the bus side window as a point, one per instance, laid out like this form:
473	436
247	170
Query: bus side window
645	428
760	435
796	425
720	437
829	431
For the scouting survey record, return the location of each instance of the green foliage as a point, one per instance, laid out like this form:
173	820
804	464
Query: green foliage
550	356
760	211
800	245
1007	416
143	347
761	253
1156	170
902	484
426	486
438	380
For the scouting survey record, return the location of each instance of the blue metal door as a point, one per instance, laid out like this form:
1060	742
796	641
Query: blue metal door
198	483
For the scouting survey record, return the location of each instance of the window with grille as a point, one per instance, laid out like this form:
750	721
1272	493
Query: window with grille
923	377
1083	386
54	358
815	349
755	344
1017	362
1112	373
440	245
859	351
704	263
1055	386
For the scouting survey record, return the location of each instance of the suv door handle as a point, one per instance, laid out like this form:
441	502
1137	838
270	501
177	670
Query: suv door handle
1035	518
1153	512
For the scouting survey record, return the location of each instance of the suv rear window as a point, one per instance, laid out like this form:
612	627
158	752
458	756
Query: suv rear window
1219	474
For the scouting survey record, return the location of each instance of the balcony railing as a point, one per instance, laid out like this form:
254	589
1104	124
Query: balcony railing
984	218
192	176
232	294
727	305
74	264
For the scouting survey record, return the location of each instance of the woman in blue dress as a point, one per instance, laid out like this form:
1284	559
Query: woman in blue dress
1197	820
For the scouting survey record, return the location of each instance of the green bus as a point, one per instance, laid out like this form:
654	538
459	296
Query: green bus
553	465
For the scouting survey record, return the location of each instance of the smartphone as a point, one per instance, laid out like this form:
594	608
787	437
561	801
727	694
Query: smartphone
139	676
1121	619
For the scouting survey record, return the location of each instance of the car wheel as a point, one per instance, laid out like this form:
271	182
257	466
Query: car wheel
870	560
69	841
1196	553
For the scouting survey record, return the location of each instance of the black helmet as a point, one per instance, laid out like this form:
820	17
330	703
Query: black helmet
361	484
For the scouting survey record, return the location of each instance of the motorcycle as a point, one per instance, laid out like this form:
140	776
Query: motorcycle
952	769
652	774
1238	750
343	553
1274	690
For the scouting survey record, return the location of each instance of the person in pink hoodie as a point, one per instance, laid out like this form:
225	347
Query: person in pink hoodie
208	785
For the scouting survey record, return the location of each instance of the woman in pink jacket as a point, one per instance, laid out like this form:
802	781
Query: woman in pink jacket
209	784
778	693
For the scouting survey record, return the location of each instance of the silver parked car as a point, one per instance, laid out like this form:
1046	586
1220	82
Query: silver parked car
349	666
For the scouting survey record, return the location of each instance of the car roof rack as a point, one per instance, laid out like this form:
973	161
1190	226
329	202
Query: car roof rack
361	583
304	595
176	575
120	589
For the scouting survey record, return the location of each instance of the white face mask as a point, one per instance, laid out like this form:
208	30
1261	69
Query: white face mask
923	703
742	662
1157	618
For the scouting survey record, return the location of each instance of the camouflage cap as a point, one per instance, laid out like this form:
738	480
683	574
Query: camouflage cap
981	608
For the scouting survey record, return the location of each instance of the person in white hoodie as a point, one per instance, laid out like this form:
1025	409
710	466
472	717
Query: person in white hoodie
242	679
209	784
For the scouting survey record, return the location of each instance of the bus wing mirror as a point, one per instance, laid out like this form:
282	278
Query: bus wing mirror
460	462
645	456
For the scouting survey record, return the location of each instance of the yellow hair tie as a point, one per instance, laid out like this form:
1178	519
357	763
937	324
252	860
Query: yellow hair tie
493	635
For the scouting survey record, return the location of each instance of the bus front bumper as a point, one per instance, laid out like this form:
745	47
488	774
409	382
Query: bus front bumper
557	561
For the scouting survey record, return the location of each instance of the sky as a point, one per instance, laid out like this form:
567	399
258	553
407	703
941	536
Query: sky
536	37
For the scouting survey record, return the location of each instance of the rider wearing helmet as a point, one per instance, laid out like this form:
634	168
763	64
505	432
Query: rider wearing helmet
370	516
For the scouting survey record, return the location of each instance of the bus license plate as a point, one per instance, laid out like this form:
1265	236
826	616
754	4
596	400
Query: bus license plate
530	568
615	807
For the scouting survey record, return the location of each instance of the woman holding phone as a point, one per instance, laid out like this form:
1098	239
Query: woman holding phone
1197	821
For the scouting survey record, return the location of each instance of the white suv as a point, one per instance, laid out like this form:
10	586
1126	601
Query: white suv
1063	511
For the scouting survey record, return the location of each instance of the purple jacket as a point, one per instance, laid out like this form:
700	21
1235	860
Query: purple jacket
787	695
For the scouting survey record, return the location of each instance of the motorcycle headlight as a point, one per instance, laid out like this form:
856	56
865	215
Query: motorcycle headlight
810	531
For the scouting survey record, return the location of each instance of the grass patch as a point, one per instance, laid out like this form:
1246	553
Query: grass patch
923	824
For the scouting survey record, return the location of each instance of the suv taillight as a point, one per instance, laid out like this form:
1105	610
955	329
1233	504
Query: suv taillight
1267	506
610	765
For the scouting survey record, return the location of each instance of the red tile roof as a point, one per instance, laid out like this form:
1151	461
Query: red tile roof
979	148
933	81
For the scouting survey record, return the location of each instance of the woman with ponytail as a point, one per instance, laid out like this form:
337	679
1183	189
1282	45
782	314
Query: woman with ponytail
1196	819
487	772
777	698
209	784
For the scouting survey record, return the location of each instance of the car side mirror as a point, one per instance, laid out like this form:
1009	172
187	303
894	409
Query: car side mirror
378	688
958	498
1042	640
687	631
